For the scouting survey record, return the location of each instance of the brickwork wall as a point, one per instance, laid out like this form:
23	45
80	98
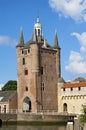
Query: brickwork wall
49	78
42	88
13	103
29	80
45	117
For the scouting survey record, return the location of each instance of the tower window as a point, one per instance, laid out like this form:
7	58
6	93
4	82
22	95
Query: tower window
38	32
26	88
23	61
26	72
41	70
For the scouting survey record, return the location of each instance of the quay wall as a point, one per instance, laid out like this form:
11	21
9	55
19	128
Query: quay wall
44	117
35	117
8	117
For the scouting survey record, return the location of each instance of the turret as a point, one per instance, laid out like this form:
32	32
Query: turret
21	39
37	32
57	48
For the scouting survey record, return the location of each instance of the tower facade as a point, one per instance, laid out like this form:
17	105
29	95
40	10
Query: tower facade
38	69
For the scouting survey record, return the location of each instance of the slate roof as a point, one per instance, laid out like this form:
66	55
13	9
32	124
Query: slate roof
61	80
28	43
6	95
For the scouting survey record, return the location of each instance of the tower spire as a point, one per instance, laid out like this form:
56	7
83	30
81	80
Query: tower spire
21	39
56	45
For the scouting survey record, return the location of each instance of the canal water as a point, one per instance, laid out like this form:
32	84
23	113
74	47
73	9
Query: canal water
33	128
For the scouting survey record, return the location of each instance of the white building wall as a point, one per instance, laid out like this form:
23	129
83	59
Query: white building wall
74	99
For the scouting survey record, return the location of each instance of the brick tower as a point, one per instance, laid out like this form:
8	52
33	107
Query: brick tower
38	69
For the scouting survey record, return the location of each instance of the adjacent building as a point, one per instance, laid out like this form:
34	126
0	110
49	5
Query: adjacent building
8	101
71	96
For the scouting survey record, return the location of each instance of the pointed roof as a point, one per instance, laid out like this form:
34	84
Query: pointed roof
61	80
56	45
21	39
34	38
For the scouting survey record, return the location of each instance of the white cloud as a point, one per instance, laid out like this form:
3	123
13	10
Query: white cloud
77	63
77	60
1	85
76	9
8	41
82	40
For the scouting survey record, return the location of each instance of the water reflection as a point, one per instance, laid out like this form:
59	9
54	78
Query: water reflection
34	128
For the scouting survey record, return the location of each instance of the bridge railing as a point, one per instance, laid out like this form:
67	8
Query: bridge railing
42	112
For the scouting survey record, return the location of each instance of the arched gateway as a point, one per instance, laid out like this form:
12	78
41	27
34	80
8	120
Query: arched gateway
65	107
26	104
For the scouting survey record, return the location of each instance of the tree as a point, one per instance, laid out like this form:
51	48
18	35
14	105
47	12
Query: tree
83	116
10	85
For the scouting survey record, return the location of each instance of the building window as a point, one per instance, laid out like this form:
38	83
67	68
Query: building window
79	88
23	61
26	72
4	108
26	88
71	89
41	70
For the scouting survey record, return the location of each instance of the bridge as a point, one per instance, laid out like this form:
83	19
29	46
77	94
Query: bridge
26	116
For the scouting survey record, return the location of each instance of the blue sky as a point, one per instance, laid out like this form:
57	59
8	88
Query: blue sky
67	17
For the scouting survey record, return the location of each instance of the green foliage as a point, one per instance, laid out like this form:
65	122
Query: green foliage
83	116
10	85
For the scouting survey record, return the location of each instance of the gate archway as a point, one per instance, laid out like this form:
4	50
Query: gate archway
65	107
26	104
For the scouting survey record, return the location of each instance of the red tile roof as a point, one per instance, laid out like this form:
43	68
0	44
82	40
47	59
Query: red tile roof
74	85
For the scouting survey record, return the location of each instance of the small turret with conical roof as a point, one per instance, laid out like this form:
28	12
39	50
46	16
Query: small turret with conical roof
56	45
21	39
